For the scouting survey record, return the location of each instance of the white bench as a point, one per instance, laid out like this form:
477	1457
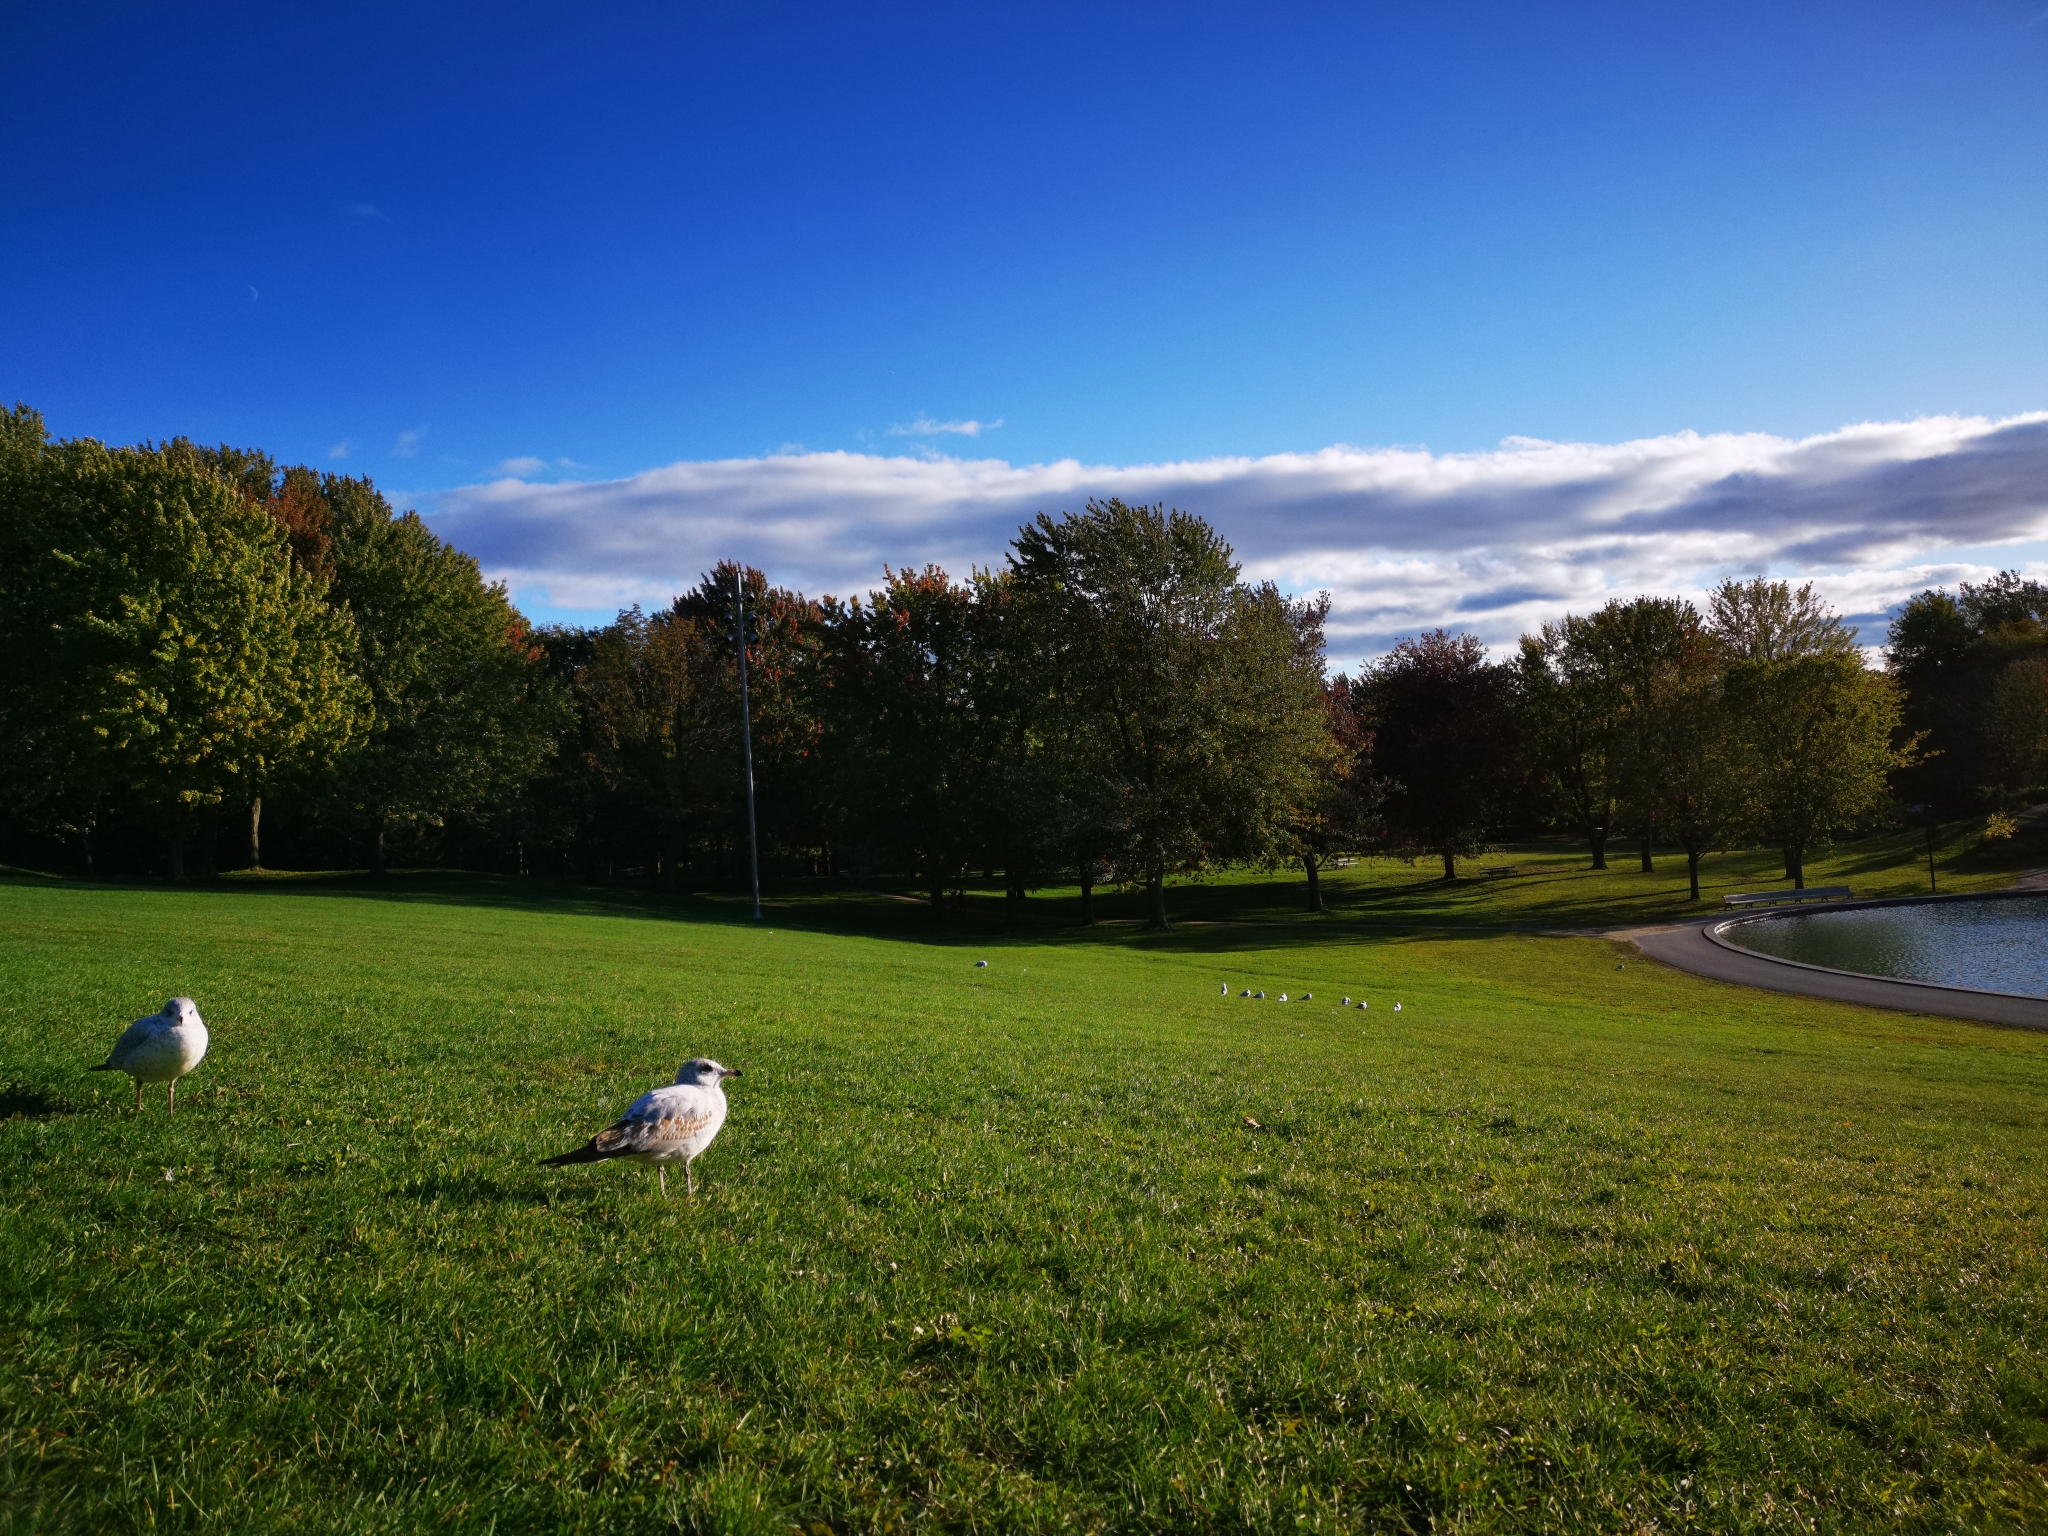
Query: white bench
1770	898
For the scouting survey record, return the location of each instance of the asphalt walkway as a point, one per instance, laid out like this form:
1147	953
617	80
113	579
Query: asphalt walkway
1686	946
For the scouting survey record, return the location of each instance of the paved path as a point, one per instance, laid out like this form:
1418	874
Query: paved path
1687	946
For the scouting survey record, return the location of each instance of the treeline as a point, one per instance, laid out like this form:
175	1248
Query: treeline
214	660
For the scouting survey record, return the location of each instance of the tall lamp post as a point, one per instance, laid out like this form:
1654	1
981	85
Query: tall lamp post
739	591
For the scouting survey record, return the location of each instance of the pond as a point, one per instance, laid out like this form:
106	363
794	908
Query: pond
1997	946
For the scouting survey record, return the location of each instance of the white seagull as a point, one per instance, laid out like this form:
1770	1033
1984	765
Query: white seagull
160	1049
664	1125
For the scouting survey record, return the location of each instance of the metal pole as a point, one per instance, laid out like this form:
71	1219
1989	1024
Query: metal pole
747	735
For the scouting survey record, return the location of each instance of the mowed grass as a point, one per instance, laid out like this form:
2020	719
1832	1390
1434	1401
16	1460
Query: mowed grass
1559	1246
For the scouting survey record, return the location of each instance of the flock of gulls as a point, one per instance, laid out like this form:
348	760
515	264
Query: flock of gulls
1306	997
672	1124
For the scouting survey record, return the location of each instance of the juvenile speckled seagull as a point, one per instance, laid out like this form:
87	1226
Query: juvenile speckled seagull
160	1049
664	1125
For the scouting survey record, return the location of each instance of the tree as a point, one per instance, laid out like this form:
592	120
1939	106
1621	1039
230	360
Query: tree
1961	662
1571	705
1812	726
1202	719
166	647
464	710
1445	738
1650	640
1699	782
920	746
1342	814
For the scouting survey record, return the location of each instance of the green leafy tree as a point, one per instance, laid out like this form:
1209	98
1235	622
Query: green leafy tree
1194	714
1815	728
1962	661
168	650
1343	812
1700	782
919	744
1571	706
1445	725
464	709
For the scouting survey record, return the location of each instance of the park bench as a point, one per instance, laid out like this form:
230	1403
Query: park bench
1768	898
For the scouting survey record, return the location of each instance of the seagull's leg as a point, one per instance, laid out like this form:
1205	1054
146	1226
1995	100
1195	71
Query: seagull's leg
171	1098
690	1174
661	1173
138	1095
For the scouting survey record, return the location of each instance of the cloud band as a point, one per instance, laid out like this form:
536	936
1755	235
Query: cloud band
1403	538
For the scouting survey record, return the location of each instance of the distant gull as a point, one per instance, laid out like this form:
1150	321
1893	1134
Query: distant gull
1260	993
1283	997
1397	1007
1226	991
981	965
664	1125
160	1049
1345	1004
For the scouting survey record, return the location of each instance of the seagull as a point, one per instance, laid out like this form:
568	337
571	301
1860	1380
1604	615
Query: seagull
1345	1004
1308	997
160	1049
1260	993
1247	992
981	965
1283	997
664	1125
1226	991
1363	1003
1397	1007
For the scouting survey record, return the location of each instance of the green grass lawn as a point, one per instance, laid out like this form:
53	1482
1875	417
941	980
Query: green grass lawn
1559	1246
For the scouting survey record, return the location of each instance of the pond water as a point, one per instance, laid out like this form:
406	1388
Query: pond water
1999	946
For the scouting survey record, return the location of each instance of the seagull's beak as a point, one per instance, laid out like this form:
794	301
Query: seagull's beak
731	1072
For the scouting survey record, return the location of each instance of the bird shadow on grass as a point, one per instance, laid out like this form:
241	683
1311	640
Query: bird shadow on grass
25	1101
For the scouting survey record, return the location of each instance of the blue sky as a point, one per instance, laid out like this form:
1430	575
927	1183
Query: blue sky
446	245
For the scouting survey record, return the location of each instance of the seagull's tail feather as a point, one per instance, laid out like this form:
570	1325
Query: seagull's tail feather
105	1066
587	1153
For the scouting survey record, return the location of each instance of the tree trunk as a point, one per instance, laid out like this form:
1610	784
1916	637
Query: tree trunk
1796	857
1088	893
378	863
1450	865
1598	838
1155	888
254	852
1648	866
177	861
1013	893
1791	861
938	890
1312	864
85	847
1692	871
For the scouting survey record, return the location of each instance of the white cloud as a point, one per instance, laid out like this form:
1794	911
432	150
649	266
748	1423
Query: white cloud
924	426
339	450
526	466
368	212
408	444
1404	539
